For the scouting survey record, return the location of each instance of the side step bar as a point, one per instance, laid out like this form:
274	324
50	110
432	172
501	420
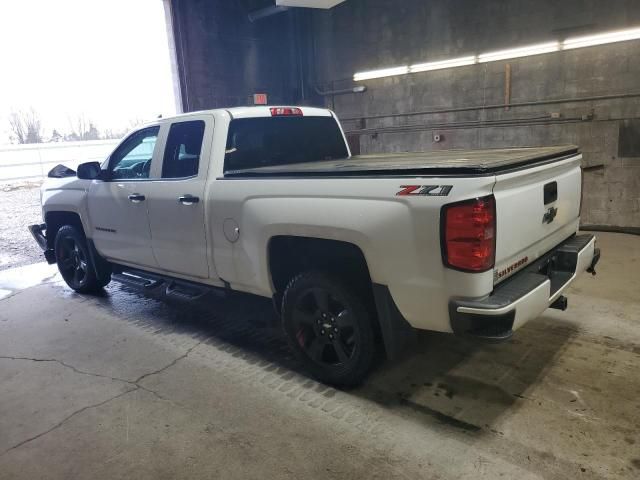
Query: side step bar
137	281
169	286
185	291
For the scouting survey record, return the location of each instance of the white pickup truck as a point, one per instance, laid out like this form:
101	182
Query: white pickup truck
356	251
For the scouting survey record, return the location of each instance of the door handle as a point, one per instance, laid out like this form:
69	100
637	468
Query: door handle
136	198
188	199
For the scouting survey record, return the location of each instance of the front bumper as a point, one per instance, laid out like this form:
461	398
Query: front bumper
38	233
527	294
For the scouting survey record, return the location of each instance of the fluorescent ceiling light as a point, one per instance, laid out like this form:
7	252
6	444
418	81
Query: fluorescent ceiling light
519	52
309	3
454	62
385	72
600	39
549	47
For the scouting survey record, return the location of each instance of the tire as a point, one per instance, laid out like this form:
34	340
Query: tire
329	328
74	261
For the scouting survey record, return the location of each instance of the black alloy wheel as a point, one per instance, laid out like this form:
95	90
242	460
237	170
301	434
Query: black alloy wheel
324	326
74	261
329	328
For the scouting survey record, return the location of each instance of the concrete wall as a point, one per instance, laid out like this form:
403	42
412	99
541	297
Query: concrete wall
223	58
227	58
370	34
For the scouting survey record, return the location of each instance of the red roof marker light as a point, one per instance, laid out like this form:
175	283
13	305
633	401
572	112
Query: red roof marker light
286	112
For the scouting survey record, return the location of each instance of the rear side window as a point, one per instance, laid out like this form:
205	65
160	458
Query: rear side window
182	153
261	142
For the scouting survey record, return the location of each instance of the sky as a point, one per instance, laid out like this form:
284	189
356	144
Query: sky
105	59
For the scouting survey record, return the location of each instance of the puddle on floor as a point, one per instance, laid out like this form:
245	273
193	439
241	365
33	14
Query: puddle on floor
25	277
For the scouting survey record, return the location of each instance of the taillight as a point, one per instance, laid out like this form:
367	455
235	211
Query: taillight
469	234
286	112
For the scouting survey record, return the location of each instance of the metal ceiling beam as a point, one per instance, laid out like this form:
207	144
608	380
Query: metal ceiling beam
309	3
266	12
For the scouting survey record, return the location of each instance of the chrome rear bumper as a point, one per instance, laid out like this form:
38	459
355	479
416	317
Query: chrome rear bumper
527	294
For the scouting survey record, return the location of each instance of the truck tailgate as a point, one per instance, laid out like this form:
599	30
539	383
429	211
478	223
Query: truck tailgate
536	209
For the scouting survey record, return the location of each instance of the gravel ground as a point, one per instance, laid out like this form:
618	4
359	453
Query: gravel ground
19	208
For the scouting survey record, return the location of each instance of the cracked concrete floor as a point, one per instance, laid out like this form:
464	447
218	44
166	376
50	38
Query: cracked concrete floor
126	386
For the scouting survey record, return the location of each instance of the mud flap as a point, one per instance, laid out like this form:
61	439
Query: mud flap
396	332
102	267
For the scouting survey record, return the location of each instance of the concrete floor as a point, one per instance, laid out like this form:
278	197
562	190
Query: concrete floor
123	386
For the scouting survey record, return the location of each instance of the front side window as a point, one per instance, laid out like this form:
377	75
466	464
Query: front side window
182	153
132	159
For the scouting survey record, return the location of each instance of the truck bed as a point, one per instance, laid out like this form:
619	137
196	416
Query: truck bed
442	162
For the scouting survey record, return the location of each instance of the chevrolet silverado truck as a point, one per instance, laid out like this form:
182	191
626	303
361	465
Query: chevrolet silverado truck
356	251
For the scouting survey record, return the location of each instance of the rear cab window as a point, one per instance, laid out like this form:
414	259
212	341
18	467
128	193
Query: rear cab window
268	141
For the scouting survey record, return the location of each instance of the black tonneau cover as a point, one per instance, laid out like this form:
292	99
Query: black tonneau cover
442	162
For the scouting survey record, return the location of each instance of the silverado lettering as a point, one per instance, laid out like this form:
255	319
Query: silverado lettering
499	274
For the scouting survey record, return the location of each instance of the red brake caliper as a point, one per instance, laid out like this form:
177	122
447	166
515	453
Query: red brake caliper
300	337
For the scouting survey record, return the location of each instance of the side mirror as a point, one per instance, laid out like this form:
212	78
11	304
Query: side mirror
89	171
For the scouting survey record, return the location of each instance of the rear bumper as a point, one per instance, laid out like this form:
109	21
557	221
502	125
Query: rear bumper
527	294
38	233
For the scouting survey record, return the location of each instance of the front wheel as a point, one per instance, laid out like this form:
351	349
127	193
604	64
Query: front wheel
74	262
328	326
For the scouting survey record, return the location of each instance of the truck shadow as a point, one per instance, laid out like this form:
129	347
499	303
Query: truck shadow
457	382
464	383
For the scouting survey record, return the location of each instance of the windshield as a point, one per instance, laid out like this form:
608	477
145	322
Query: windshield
267	141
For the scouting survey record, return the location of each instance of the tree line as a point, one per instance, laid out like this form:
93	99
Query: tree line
25	126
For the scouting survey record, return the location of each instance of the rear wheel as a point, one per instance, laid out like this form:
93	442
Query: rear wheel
329	328
74	262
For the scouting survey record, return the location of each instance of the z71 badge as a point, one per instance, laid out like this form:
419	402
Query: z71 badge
425	190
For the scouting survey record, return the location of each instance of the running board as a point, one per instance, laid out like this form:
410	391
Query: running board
134	280
173	287
185	291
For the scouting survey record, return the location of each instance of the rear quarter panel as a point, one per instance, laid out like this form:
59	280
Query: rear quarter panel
398	235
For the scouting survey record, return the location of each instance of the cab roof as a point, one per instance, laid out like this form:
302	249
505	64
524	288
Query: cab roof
257	111
265	111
